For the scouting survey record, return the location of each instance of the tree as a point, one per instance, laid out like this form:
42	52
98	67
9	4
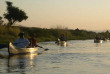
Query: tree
14	14
1	21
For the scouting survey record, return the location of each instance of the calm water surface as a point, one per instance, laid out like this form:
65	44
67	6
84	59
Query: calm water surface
79	57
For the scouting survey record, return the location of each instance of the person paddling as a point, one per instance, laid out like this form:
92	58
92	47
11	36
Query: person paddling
62	38
21	42
33	41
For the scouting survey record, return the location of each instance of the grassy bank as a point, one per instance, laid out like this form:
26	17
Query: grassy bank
10	33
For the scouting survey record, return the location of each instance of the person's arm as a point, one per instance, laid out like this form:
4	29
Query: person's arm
36	42
27	42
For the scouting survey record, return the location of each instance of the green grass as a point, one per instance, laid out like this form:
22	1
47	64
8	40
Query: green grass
10	33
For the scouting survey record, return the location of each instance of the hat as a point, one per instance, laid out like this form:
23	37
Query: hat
21	33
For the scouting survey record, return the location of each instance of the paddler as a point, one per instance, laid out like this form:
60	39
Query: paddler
21	42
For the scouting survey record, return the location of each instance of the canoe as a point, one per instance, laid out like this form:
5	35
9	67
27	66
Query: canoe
98	41
62	43
15	50
106	40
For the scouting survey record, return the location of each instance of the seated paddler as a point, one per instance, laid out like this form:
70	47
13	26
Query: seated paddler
33	41
21	42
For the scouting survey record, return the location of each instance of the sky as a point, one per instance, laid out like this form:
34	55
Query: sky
82	14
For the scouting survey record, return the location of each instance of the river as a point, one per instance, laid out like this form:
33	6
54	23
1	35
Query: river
79	57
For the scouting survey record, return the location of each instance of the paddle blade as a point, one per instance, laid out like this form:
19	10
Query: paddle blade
46	49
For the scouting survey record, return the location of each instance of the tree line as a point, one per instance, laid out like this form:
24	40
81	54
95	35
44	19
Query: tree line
10	33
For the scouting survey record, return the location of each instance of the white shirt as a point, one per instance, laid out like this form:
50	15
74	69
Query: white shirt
21	42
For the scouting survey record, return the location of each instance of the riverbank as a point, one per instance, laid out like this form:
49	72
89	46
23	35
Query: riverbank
10	33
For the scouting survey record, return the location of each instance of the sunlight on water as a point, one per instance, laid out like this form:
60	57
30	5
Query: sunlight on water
79	57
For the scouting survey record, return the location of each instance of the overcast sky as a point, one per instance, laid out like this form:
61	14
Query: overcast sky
82	14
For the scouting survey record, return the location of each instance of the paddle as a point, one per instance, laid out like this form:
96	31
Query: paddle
42	47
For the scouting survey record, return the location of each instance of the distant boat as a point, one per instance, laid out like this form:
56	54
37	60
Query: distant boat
98	41
106	39
62	43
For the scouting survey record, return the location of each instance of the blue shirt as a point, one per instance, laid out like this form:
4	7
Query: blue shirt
21	42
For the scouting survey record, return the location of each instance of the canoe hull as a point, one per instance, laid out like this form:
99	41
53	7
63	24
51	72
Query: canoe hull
15	50
98	41
62	43
106	40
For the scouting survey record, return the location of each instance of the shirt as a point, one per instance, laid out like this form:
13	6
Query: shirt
21	42
33	42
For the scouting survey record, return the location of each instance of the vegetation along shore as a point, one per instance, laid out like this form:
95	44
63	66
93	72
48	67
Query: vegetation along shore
10	33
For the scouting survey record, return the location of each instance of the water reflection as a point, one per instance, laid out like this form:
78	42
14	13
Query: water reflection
97	44
79	57
20	63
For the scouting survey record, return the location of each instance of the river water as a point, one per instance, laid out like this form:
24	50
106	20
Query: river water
79	57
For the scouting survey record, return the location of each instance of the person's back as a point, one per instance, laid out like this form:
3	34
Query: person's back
97	38
63	38
21	42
